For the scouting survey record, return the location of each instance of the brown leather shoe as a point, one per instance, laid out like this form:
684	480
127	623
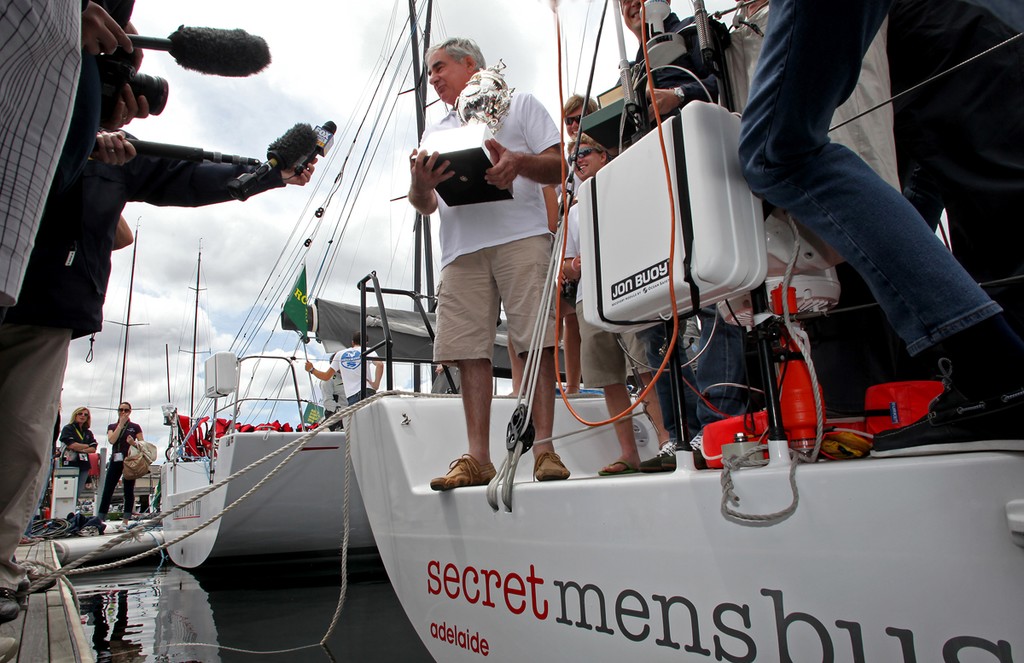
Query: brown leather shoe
548	467
464	471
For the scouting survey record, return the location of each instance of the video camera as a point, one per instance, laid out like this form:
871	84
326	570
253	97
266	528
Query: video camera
117	70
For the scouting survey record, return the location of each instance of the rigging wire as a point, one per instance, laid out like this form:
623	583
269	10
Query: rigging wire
274	283
279	281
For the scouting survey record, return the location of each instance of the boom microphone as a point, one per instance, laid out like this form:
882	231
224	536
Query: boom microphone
184	153
288	151
212	51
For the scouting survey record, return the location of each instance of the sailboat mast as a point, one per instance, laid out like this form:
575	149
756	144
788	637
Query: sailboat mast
423	251
422	223
195	333
128	316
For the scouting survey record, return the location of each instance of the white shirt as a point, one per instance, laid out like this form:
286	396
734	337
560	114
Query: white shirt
464	229
347	365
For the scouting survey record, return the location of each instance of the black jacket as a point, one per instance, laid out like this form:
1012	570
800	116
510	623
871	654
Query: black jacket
83	220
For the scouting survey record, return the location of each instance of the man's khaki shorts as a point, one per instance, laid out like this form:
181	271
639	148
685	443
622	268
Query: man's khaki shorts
602	361
474	286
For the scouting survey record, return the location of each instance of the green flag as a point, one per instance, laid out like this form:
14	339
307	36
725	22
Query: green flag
295	307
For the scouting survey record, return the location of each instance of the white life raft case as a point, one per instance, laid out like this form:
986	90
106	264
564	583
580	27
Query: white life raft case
624	224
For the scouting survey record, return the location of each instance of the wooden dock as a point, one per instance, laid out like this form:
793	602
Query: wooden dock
49	627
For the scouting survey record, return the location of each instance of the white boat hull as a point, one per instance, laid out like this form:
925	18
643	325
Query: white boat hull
299	511
892	560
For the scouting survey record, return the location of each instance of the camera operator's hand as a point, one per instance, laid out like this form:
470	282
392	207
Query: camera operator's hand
101	33
289	176
127	108
113	148
137	54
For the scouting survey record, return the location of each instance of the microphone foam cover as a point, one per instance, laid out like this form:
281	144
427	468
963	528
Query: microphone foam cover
219	52
295	145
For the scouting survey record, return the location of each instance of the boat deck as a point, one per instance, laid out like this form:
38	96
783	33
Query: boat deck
49	627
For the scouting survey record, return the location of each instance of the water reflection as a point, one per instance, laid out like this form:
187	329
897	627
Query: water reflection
117	643
231	612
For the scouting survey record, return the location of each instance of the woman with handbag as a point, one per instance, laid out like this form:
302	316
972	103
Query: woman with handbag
77	442
122	436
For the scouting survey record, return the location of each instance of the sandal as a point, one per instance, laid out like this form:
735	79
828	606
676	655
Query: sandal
613	469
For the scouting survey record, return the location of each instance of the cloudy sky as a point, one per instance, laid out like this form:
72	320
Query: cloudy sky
344	61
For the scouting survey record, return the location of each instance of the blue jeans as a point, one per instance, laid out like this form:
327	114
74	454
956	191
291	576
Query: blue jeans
788	159
723	361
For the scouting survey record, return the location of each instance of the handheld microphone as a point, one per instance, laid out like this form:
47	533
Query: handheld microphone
324	142
288	151
184	153
212	51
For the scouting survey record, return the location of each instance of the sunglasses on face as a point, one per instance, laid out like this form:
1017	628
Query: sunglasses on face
586	151
83	414
572	119
124	409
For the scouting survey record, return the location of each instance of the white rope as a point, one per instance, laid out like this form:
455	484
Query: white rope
797	333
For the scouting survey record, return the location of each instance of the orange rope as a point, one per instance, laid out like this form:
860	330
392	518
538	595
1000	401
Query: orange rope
672	236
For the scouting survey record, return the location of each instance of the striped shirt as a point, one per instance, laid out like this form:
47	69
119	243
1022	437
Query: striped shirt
40	56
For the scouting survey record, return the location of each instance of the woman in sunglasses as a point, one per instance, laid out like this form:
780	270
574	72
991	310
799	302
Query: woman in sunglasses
77	442
122	435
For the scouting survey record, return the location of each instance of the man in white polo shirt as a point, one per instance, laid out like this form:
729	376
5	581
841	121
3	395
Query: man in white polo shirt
492	254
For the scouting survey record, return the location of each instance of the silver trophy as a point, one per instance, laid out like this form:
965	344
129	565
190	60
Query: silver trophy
485	99
481	107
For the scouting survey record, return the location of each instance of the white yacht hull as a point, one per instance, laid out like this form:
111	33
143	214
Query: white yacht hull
299	511
893	560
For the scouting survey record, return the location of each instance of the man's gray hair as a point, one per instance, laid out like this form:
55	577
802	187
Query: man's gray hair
460	48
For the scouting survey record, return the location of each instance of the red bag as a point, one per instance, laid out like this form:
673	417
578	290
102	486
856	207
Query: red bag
896	404
720	433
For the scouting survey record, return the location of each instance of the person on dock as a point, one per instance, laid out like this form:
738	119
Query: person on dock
68	273
122	435
42	47
77	442
492	253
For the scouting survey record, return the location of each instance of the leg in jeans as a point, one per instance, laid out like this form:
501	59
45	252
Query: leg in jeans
722	363
114	470
807	68
129	499
788	159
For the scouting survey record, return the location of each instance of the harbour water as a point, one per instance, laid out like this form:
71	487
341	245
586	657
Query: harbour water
245	612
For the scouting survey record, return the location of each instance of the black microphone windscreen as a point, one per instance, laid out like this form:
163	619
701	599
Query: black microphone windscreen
219	52
294	145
